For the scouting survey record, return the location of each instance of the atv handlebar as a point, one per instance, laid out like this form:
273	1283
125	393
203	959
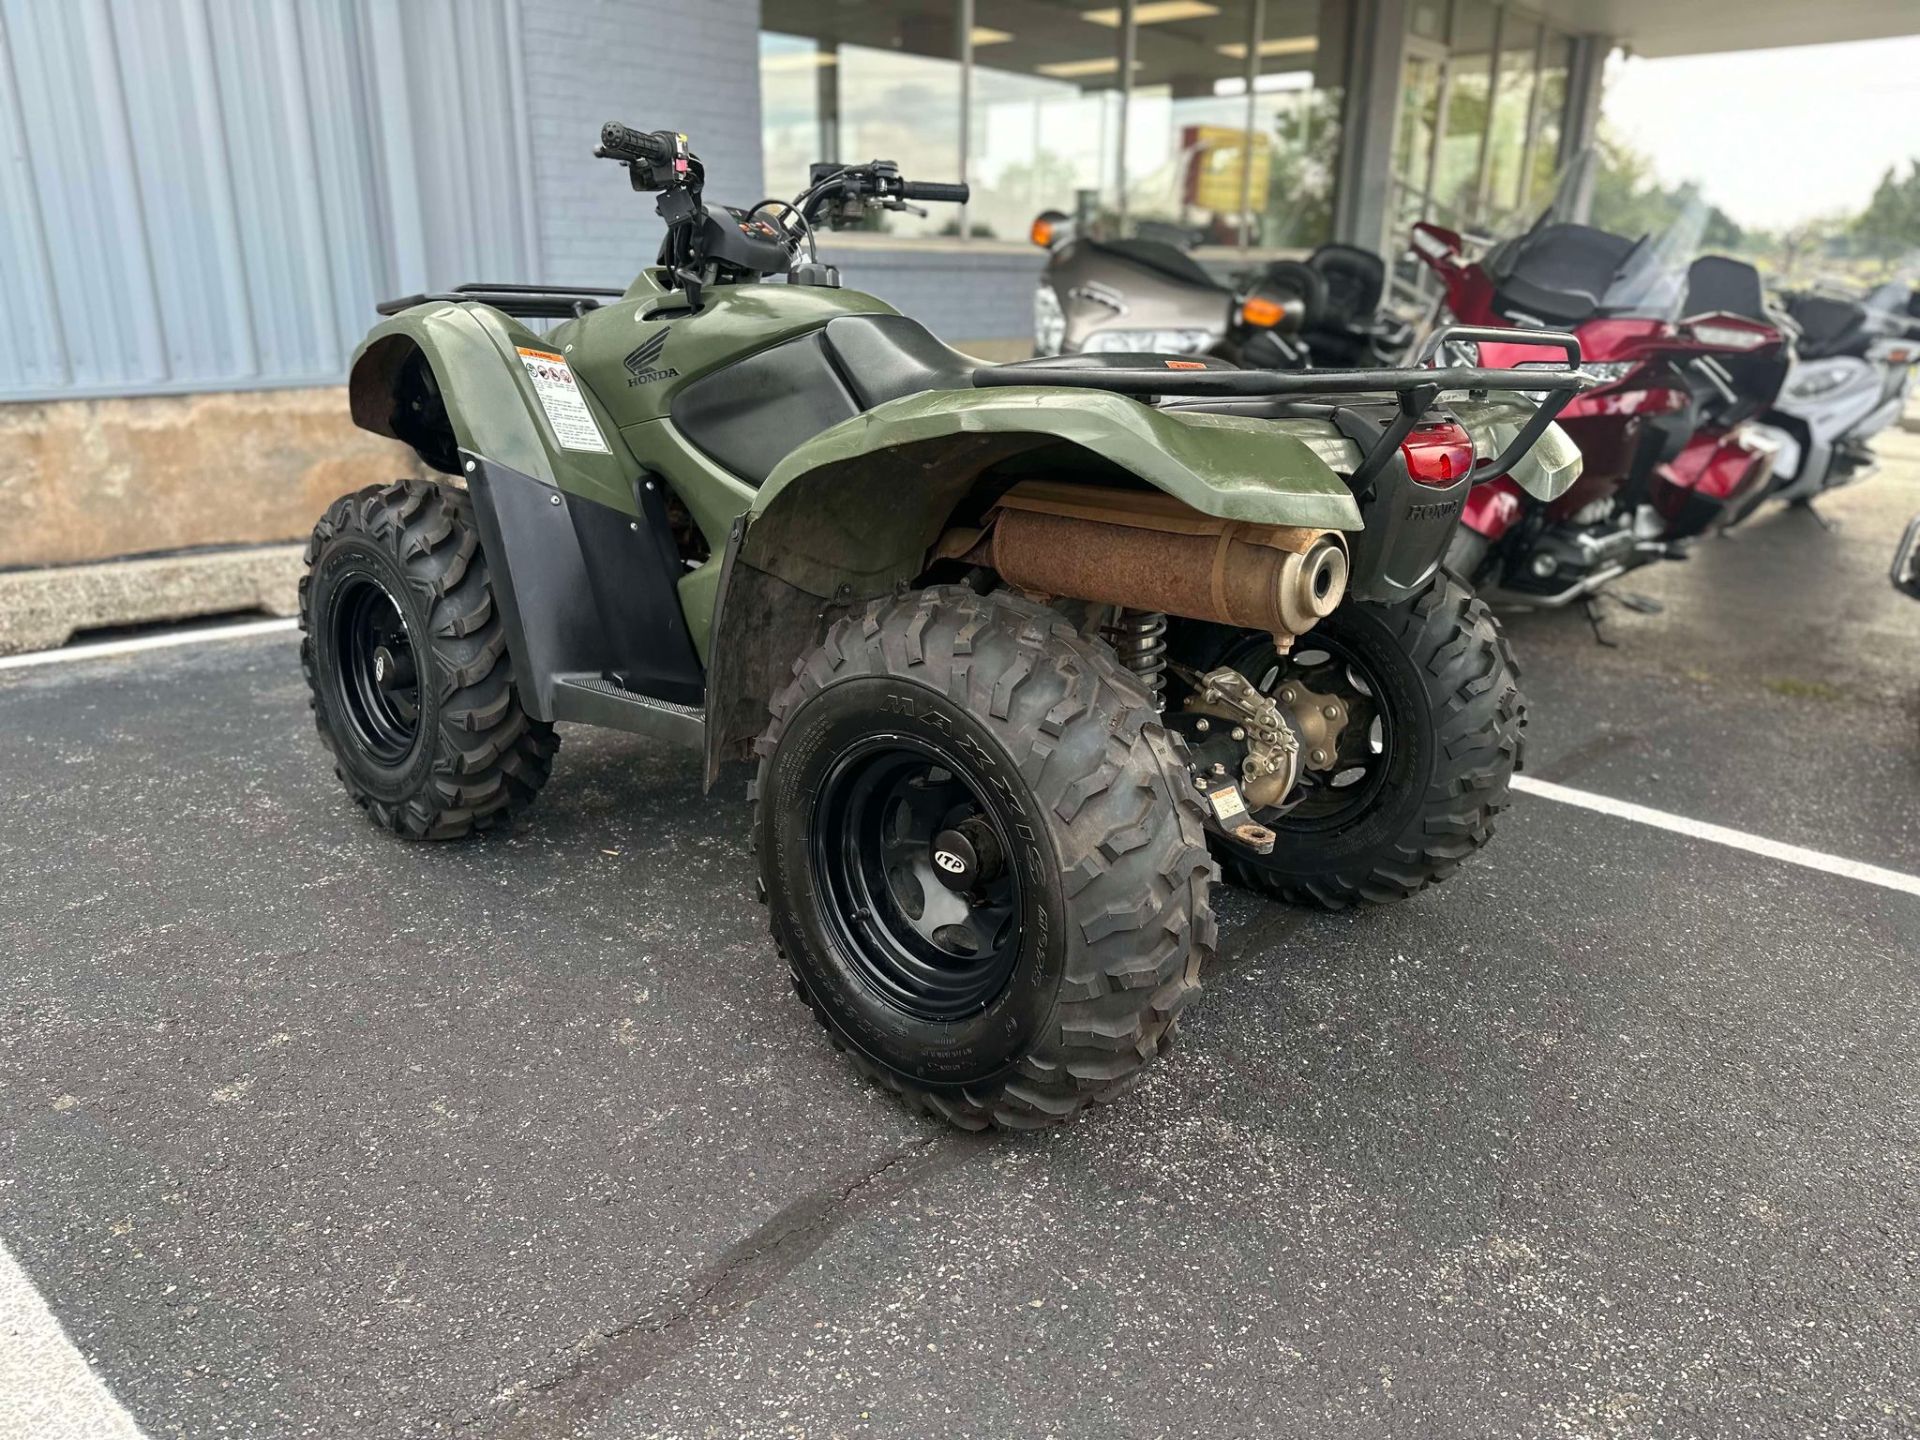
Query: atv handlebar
617	142
935	190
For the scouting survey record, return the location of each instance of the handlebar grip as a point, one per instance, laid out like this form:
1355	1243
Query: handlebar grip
935	190
617	142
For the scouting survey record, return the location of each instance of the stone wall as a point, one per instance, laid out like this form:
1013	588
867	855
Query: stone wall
85	480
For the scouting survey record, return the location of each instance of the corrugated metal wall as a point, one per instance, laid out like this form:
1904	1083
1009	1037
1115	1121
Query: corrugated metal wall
210	194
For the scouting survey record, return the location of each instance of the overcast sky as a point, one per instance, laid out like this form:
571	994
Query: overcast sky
1774	137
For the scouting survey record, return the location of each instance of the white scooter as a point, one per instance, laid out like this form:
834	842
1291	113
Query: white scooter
1851	381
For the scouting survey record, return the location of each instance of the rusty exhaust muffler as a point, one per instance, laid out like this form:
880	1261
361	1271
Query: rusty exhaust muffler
1146	550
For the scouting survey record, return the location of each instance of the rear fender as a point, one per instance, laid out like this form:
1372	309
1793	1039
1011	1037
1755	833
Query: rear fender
1547	471
477	395
855	511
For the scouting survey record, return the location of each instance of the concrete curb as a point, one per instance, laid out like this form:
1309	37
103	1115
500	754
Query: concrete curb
40	609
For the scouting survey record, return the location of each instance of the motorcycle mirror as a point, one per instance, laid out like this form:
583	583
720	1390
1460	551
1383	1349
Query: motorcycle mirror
1435	242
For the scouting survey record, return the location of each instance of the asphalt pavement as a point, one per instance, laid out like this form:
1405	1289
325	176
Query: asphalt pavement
308	1132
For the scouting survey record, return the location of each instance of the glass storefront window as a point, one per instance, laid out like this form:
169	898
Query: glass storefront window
1039	121
1512	112
851	83
1187	149
1456	178
1298	96
1556	63
1044	131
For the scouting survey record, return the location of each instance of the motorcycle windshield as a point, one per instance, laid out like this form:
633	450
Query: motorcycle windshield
1563	268
1897	299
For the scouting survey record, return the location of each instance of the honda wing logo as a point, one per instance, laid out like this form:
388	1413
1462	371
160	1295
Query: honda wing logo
642	368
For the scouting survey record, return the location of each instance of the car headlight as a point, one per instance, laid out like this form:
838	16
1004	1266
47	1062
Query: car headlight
1049	321
1149	342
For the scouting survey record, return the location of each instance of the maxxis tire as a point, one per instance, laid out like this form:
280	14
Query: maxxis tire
478	757
1451	668
1112	846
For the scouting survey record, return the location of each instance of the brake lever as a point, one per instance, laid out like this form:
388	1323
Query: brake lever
897	204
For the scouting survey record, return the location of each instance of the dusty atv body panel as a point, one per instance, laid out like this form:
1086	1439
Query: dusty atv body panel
848	513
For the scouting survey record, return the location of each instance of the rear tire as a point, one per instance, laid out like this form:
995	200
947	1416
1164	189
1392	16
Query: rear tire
1086	874
406	657
1447	684
1467	554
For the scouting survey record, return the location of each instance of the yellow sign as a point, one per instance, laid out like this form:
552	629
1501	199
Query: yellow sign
1216	168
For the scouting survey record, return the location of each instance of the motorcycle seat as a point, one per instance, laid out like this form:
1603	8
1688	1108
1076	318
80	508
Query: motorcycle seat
1828	326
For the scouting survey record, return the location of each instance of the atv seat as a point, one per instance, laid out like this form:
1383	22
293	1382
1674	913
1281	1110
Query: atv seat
883	357
749	415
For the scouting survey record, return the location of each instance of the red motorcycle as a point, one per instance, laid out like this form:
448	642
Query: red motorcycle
1668	454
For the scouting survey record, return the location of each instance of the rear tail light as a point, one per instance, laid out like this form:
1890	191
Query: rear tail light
1438	455
1731	337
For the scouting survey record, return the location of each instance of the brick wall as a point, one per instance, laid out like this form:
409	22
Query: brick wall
694	65
690	65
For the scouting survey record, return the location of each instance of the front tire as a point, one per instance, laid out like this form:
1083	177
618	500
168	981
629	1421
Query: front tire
405	654
1434	741
1048	967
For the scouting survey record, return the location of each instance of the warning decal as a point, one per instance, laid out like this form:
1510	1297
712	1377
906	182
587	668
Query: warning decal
573	424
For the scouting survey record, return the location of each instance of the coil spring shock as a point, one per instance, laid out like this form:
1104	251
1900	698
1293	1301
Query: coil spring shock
1139	637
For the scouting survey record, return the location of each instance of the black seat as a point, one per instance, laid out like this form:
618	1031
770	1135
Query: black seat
1558	273
1720	284
1356	279
750	414
1828	326
883	357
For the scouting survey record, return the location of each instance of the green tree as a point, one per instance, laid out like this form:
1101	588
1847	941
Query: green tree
1890	225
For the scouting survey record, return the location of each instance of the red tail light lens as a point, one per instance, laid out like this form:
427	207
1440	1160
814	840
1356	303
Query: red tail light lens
1438	455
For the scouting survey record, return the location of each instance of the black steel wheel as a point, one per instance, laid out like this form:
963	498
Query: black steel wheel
406	657
983	858
1433	735
912	848
376	680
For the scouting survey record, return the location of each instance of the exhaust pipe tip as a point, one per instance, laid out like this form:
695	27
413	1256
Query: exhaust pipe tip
1313	583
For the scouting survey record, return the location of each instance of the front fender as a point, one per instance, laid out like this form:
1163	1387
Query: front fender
856	508
490	403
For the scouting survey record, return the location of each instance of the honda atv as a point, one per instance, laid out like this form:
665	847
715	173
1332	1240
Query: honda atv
1010	646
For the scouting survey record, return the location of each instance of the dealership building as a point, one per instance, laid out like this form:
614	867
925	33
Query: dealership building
203	199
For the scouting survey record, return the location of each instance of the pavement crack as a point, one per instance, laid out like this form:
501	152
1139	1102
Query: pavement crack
625	1356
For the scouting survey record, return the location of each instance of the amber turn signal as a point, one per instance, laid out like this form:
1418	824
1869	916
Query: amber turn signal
1042	231
1259	311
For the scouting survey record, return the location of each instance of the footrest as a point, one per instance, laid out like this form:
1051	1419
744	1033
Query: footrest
596	700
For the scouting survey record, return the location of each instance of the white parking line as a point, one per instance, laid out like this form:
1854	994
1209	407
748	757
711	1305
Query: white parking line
47	1391
165	641
1721	835
1524	784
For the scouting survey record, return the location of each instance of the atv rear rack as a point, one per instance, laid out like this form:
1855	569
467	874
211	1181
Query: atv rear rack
1417	389
543	302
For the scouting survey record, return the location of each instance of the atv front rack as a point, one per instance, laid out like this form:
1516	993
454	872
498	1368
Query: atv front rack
1418	390
533	302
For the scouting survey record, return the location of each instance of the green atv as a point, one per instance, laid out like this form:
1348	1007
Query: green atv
1017	650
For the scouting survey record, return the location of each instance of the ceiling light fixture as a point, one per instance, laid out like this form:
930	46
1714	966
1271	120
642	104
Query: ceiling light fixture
1155	12
1291	45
